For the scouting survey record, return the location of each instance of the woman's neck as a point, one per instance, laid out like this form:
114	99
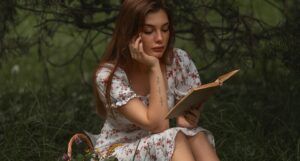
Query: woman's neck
138	67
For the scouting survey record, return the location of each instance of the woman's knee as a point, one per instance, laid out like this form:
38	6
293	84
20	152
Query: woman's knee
180	136
182	150
200	136
202	148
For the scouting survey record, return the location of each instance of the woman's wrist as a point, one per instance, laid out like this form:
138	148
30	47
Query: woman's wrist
154	66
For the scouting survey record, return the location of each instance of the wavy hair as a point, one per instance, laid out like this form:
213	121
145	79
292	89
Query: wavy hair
130	21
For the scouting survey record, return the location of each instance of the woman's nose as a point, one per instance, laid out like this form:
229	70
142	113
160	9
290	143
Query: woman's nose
158	37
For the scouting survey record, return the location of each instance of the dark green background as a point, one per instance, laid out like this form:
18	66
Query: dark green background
49	50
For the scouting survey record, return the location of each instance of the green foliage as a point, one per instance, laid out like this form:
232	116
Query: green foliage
49	52
36	125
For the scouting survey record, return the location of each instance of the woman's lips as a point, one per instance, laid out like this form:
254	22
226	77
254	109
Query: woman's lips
158	49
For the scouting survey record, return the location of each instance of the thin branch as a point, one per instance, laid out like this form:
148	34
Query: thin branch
83	47
68	61
274	5
40	11
54	21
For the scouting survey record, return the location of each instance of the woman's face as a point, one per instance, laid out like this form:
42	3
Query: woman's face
155	33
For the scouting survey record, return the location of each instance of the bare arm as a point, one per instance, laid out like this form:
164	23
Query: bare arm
152	117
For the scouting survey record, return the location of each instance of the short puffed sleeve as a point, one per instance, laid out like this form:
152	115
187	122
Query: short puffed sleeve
187	75
120	92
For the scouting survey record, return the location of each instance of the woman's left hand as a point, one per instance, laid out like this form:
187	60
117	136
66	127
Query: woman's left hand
190	119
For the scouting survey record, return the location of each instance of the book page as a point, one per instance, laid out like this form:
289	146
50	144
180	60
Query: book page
198	95
226	76
192	99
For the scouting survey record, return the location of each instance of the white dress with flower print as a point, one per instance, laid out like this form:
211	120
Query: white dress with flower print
130	142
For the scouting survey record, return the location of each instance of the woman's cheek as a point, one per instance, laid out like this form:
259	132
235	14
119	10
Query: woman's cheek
146	47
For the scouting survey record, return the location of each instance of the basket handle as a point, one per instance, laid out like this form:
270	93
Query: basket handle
77	138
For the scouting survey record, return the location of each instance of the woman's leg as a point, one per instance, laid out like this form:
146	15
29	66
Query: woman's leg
182	149
201	148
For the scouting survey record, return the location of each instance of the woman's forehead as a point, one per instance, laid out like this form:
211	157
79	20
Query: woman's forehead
157	18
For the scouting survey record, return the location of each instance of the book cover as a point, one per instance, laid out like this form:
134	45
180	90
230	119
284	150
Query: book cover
199	94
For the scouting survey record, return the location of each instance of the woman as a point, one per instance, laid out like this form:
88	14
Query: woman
140	77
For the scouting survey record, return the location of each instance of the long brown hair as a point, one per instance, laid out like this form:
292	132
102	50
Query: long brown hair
129	23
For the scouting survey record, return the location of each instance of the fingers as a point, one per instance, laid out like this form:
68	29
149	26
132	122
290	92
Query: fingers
197	107
133	47
141	48
137	53
191	121
136	47
137	42
192	113
192	116
182	122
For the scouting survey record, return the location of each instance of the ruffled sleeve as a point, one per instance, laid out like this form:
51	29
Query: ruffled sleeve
120	92
187	75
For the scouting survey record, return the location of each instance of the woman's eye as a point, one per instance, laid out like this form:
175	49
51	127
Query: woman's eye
148	31
165	30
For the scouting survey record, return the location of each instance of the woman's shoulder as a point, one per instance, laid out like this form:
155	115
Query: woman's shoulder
180	56
105	69
178	51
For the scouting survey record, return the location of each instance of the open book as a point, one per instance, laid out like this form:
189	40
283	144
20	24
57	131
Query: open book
198	95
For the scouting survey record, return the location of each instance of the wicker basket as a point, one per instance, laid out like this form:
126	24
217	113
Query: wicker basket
78	137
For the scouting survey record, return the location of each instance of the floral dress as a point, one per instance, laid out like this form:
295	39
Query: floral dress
123	139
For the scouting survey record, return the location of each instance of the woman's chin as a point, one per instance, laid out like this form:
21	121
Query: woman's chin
156	54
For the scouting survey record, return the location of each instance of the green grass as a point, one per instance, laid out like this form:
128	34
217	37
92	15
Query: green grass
254	117
37	125
249	121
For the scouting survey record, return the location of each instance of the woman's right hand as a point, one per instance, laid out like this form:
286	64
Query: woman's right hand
137	53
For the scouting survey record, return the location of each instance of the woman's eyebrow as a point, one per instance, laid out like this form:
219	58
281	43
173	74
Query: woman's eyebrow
149	25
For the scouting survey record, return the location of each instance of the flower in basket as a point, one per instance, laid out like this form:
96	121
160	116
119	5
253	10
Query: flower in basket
78	140
65	157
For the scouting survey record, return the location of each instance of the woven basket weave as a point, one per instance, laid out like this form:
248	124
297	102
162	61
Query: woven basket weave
78	137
